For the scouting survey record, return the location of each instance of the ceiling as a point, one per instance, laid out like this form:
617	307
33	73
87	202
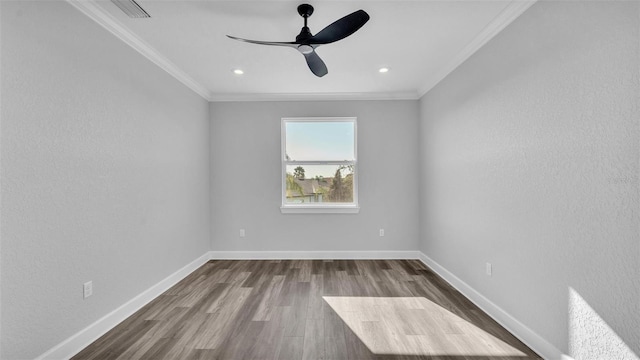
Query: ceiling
419	41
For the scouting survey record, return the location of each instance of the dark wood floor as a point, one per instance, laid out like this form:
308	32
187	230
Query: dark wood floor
309	309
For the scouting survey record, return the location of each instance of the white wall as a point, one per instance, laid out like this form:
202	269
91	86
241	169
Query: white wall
0	184
246	179
529	160
105	168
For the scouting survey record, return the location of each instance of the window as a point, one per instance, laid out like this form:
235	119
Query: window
319	165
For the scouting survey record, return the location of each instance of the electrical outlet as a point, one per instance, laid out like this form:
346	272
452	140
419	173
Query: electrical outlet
381	232
87	289
489	269
242	233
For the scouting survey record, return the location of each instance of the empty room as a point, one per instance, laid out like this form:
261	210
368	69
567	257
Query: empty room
400	180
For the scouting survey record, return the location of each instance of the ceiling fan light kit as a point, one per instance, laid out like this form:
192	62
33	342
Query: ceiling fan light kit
306	42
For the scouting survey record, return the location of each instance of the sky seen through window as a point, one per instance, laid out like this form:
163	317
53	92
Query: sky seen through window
320	141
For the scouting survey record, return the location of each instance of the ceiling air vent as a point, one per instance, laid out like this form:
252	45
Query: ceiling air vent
131	8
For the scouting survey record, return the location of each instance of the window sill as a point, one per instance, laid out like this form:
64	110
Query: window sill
351	209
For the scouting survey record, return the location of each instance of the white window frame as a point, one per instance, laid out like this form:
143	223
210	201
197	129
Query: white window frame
319	208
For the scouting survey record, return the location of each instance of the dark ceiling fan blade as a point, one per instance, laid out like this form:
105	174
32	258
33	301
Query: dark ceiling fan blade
275	43
341	28
316	64
306	43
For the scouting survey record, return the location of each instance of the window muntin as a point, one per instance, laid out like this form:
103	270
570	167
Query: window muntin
319	165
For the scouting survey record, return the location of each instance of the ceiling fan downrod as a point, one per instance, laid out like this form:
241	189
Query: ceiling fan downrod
305	10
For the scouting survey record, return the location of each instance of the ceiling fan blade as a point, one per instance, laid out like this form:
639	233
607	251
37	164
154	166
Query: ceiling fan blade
316	64
341	28
275	43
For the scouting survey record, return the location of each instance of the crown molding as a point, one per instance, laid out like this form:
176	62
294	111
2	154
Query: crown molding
237	97
506	17
114	26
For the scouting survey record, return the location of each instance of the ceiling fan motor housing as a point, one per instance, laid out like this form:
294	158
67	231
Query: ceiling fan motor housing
305	34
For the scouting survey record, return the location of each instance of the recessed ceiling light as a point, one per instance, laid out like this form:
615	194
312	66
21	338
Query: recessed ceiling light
383	70
238	72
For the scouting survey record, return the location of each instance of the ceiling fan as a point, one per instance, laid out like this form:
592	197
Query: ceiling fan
306	43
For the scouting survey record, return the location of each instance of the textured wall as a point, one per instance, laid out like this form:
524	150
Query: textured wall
529	156
590	337
246	179
105	168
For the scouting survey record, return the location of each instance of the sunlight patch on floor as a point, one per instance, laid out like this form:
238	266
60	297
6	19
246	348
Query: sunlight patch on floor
415	326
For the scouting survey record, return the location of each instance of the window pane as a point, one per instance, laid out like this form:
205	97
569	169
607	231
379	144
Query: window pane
307	184
317	140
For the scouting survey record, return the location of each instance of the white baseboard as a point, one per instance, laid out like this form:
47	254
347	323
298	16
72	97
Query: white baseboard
74	344
518	329
91	333
294	255
83	338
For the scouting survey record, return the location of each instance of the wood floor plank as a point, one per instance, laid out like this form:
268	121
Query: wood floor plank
290	348
267	342
294	319
144	344
356	349
313	348
335	346
269	299
305	271
316	303
309	309
238	346
160	349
